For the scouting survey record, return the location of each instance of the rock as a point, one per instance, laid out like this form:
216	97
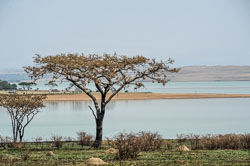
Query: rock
111	151
50	153
182	148
95	161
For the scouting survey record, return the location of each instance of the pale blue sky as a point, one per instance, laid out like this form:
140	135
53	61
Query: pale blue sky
193	32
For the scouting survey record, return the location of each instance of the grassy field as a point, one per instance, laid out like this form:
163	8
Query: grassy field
73	154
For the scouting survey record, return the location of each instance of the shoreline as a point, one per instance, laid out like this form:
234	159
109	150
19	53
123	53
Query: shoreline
144	96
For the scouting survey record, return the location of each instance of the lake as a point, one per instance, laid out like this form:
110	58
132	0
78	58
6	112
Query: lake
168	117
229	87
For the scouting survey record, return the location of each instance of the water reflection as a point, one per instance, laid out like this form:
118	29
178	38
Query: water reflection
77	105
168	117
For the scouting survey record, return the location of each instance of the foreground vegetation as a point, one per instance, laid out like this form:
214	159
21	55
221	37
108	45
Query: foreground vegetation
161	152
69	155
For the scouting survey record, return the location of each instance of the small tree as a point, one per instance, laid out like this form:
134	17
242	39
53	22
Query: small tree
109	73
27	85
51	85
22	109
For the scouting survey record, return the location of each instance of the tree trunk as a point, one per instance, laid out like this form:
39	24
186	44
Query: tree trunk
98	138
20	137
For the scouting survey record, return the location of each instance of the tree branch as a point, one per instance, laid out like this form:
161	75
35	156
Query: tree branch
93	112
86	92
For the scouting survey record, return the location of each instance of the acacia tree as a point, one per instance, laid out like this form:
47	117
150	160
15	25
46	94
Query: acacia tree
22	109
27	85
109	73
51	85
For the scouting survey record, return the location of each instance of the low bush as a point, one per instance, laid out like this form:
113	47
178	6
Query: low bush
227	141
6	141
84	139
130	145
150	141
38	141
57	141
194	141
245	141
212	142
181	138
169	145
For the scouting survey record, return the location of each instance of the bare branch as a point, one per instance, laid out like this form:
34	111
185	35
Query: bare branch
93	112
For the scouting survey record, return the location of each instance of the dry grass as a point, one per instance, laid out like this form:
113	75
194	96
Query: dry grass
213	142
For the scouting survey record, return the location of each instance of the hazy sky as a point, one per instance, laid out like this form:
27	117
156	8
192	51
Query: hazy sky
193	32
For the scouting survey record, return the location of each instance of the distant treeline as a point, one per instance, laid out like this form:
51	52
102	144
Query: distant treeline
5	85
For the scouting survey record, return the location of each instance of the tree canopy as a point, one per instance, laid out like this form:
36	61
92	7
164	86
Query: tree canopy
27	85
22	109
109	73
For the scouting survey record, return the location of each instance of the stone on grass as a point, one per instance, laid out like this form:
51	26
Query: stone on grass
182	148
50	153
111	151
95	161
4	151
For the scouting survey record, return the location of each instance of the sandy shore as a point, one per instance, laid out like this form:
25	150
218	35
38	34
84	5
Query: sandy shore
145	96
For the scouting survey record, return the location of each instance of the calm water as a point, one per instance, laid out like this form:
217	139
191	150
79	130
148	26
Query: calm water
233	87
168	117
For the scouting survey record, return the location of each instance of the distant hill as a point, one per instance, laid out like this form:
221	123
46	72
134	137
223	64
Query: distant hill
187	74
212	73
14	77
